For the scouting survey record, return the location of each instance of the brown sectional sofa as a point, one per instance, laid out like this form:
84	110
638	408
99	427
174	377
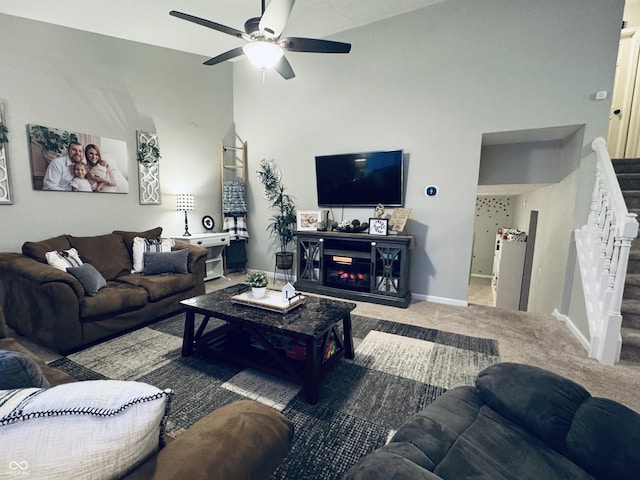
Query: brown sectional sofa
241	440
52	307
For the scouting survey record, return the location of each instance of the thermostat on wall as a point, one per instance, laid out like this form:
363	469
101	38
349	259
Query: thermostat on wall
431	191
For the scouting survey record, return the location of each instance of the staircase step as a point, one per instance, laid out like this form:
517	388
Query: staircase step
632	286
634	261
631	198
626	165
630	351
630	305
629	181
630	320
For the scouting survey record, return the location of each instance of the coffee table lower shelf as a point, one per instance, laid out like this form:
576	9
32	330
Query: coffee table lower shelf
234	344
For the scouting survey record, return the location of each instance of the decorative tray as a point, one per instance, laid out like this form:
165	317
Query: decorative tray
272	301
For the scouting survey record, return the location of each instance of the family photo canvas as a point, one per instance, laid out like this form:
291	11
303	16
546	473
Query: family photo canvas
66	161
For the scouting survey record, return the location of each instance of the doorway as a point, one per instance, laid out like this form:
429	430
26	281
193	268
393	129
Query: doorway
624	118
522	171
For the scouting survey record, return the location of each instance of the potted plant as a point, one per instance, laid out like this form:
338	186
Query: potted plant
258	282
283	221
53	142
148	153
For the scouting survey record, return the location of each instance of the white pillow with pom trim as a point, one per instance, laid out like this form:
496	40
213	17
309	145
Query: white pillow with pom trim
99	429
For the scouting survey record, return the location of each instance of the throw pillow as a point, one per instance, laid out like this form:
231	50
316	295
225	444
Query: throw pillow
165	262
127	237
19	371
90	278
64	259
84	430
38	250
141	245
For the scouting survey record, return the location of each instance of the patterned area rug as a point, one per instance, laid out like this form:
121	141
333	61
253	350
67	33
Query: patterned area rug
398	370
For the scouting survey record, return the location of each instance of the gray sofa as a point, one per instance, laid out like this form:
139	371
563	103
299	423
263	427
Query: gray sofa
52	307
519	422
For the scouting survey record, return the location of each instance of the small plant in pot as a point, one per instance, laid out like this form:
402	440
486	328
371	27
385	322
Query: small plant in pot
283	221
258	282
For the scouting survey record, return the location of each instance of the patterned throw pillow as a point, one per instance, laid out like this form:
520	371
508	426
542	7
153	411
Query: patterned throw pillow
142	245
64	259
81	430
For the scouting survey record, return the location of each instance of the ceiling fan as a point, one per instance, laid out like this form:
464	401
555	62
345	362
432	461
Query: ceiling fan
264	47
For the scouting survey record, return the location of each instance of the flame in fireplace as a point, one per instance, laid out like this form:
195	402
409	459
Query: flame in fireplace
342	260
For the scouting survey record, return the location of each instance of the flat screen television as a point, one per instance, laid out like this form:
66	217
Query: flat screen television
360	179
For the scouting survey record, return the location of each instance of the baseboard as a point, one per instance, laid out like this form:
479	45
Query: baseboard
443	300
573	329
480	275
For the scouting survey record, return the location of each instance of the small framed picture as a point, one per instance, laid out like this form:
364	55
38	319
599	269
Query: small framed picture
378	226
308	220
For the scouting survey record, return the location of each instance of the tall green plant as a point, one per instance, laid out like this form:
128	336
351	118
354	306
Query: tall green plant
283	221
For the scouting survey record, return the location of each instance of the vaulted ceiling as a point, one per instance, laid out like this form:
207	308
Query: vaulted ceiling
148	21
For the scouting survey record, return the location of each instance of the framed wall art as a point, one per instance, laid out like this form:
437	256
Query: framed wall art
67	161
5	184
378	226
308	220
148	156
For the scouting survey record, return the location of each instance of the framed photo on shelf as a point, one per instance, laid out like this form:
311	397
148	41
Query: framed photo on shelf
308	220
378	226
399	219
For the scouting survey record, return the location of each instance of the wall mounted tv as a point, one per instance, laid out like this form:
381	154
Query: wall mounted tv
360	179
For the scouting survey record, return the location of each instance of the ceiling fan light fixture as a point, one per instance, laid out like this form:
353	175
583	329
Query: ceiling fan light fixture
263	54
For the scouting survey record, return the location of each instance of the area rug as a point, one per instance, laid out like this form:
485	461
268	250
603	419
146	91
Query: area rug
398	369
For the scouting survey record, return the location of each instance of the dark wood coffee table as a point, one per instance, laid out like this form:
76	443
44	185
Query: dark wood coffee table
254	337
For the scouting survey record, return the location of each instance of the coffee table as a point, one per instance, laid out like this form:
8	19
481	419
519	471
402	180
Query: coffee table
254	337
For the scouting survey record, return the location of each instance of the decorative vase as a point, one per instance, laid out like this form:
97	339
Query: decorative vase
258	292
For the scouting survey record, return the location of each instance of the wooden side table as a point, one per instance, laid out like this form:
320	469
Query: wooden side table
215	243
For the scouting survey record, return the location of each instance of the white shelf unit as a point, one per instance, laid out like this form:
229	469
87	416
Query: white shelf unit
215	243
508	267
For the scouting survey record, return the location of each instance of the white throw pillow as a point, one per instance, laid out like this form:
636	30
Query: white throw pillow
98	429
141	245
63	260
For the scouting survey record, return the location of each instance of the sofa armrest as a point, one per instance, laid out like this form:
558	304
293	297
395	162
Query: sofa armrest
538	400
241	440
40	301
197	256
32	270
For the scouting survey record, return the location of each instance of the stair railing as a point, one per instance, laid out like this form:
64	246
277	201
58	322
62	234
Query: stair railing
603	247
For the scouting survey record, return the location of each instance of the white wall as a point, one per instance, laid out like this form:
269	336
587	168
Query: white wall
89	83
432	82
492	212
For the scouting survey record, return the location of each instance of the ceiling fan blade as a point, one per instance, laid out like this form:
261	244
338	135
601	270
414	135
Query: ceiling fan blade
275	17
225	56
313	45
209	24
283	67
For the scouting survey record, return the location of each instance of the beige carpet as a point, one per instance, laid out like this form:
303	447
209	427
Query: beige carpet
522	337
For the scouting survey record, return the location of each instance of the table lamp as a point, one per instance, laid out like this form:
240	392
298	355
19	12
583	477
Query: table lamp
185	203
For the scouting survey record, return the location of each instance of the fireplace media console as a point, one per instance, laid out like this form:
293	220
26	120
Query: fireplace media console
356	266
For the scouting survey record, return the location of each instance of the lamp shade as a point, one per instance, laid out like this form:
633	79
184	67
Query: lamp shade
185	202
263	54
